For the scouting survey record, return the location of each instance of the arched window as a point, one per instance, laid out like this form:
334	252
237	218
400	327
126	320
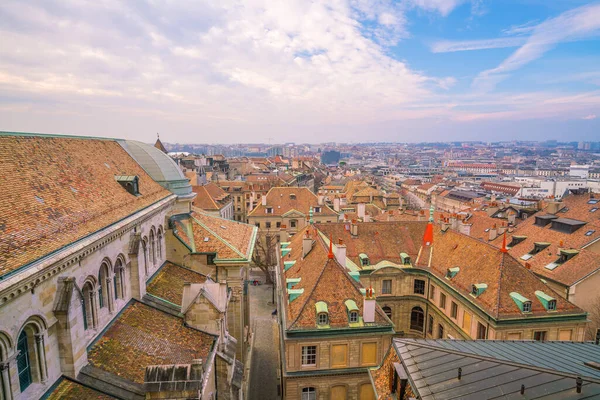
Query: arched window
119	279
145	250
5	344
88	306
309	393
388	311
104	297
417	319
159	242
152	243
31	356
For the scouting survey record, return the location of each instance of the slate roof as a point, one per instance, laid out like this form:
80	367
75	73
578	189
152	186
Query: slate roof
56	190
578	267
68	389
433	373
142	335
322	279
204	233
281	201
168	282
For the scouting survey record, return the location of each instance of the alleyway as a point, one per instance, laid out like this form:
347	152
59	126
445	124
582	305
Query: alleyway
264	363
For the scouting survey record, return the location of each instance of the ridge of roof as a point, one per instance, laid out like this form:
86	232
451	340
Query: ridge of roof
55	135
218	237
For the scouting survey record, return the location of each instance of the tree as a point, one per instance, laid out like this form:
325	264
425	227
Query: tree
594	317
264	254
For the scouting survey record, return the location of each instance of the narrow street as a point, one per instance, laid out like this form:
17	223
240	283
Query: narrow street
265	355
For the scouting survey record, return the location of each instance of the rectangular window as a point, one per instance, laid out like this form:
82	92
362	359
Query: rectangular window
309	393
419	287
565	334
481	331
440	331
466	325
309	355
293	223
339	355
386	287
430	325
257	224
539	335
454	310
278	224
431	292
369	354
267	225
442	301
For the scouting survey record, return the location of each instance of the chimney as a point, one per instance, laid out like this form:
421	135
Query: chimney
502	229
554	207
454	221
464	228
354	228
493	233
511	218
307	244
360	210
336	204
320	199
340	253
264	199
369	304
445	224
283	233
422	216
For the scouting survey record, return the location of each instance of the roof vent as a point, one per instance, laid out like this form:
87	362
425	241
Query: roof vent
129	183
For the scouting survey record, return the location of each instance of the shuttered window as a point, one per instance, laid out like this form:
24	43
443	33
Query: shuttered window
338	393
339	355
369	353
565	334
366	392
467	322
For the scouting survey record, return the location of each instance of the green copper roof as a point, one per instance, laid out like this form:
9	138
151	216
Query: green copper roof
321	307
351	305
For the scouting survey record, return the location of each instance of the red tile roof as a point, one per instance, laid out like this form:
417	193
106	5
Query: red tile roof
57	190
285	199
142	336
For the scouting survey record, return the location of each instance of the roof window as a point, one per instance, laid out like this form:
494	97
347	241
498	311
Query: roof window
547	301
590	232
537	247
593	201
522	302
269	210
293	196
477	289
516	240
594	209
405	258
129	183
352	309
364	259
451	272
322	314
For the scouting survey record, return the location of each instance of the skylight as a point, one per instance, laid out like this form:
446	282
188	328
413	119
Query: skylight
590	232
594	209
593	201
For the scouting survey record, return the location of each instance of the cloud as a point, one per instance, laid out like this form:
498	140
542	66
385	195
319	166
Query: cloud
447	46
589	117
576	24
443	7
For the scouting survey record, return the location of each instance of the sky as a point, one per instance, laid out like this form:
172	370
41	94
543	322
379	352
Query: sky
302	71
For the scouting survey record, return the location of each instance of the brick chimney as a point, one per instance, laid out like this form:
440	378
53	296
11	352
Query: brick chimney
340	253
493	232
360	210
307	244
369	304
501	229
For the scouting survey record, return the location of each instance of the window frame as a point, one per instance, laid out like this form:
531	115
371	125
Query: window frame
453	310
442	301
305	393
353	317
383	286
306	355
419	284
319	319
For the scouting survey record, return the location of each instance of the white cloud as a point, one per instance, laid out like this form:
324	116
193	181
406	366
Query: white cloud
444	7
589	117
576	24
446	46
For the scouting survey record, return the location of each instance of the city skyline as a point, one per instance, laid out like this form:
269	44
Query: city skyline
356	71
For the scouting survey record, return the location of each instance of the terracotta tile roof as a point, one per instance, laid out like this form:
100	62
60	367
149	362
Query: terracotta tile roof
322	279
142	336
282	200
57	190
577	267
382	376
208	198
168	283
481	262
68	389
204	233
379	240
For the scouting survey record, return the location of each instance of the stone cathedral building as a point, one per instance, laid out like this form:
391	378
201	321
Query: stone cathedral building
111	286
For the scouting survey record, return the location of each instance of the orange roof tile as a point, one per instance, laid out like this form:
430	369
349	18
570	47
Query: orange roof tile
285	199
57	190
168	283
142	336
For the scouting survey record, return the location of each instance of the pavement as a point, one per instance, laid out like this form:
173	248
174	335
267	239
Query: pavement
265	354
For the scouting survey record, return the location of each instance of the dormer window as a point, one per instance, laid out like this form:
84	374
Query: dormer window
451	272
269	210
317	209
477	289
537	247
364	259
353	317
323	319
527	306
129	183
405	258
552	305
322	314
522	302
516	240
566	255
292	196
547	301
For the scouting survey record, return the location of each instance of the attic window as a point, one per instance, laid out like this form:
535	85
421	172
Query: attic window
323	319
39	199
594	209
353	317
522	302
477	289
593	201
537	247
317	209
451	272
269	210
405	258
566	255
548	302
129	183
516	240
364	259
322	313
292	196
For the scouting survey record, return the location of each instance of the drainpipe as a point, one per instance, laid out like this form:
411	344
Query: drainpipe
426	324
